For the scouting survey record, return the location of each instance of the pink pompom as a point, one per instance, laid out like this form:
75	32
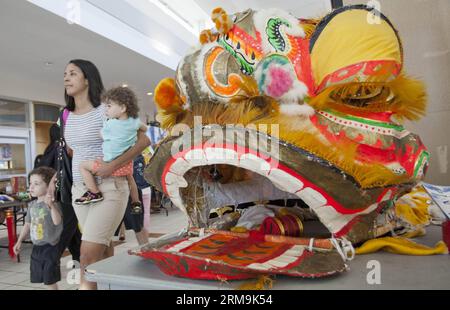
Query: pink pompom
280	82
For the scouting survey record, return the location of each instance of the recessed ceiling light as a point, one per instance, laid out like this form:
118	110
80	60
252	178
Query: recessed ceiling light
124	85
149	94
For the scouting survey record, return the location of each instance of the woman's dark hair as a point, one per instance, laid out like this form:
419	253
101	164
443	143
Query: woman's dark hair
91	74
55	134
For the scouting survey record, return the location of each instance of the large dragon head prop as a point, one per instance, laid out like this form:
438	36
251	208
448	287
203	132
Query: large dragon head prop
273	108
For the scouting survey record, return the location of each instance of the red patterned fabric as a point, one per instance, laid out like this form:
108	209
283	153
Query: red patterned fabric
226	257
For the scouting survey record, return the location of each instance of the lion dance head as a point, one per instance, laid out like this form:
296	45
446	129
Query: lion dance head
274	108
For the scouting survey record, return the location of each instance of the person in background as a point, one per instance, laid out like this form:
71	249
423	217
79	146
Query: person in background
134	219
48	159
44	223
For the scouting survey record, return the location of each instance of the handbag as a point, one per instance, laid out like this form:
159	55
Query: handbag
63	167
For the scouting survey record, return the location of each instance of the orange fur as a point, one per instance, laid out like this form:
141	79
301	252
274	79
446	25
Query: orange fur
206	36
166	95
222	21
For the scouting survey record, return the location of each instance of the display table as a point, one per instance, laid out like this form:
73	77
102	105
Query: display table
396	272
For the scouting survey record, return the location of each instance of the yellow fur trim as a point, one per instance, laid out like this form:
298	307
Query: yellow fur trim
248	86
399	245
367	175
309	26
262	283
412	208
413	216
168	119
408	98
411	98
262	110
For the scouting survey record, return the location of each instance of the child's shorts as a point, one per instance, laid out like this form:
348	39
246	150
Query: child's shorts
45	265
125	170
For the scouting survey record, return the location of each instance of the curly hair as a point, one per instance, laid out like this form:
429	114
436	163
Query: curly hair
123	96
46	173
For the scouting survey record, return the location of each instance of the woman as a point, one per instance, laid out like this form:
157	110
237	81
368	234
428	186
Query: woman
71	235
83	88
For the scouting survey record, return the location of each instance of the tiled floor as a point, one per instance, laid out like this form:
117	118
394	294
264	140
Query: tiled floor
16	276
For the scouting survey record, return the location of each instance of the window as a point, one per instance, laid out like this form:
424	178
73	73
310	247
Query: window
45	112
13	114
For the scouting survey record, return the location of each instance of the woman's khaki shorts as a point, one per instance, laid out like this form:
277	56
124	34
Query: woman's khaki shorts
100	220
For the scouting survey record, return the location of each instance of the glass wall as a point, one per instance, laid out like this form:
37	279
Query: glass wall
14	114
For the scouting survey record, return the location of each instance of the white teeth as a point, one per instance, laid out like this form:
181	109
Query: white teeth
174	193
296	251
172	178
336	221
180	166
287	259
312	198
221	156
172	189
257	266
195	157
177	202
215	155
186	243
281	261
254	163
284	181
180	246
278	264
195	239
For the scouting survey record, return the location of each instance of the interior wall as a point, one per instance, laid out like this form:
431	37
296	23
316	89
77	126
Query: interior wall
424	27
42	136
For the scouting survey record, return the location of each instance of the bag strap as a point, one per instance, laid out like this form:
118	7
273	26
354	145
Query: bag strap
62	121
65	115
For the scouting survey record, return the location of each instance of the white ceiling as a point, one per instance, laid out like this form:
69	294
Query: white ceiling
298	8
32	36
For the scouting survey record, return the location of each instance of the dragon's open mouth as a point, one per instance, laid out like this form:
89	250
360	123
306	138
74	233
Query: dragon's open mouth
203	174
238	170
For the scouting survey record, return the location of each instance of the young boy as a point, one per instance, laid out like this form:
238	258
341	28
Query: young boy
44	223
119	133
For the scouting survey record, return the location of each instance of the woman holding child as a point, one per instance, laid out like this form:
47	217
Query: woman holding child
101	206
